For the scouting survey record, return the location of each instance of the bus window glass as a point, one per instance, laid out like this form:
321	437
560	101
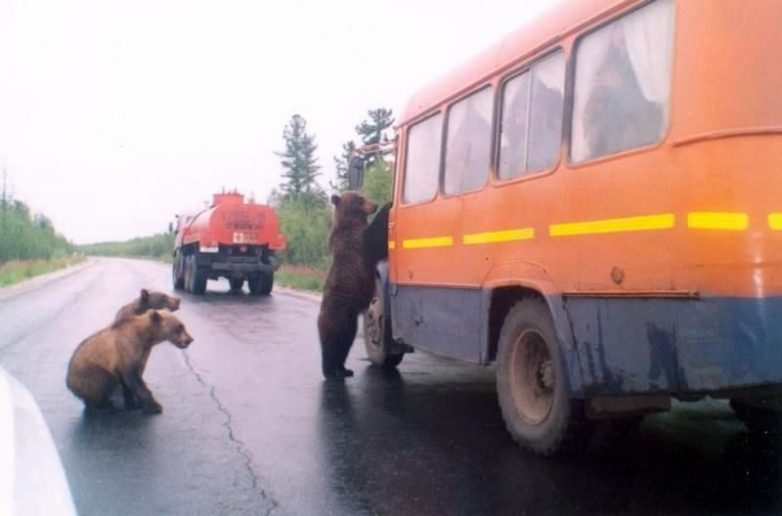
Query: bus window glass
468	145
623	83
545	133
513	131
423	160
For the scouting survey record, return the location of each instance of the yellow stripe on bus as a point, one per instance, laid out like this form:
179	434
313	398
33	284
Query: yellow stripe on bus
718	220
492	237
642	223
775	221
420	243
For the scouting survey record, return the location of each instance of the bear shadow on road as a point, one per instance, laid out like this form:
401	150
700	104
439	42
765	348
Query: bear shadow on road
114	427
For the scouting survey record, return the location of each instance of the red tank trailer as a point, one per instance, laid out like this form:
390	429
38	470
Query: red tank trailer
232	239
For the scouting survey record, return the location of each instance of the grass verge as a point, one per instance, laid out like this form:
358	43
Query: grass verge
16	271
301	278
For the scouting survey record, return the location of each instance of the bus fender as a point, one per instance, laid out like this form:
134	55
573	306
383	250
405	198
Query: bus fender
528	278
382	274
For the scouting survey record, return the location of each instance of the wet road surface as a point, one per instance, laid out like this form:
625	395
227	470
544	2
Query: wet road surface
249	426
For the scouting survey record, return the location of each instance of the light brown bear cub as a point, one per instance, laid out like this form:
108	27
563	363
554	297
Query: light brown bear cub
147	301
116	357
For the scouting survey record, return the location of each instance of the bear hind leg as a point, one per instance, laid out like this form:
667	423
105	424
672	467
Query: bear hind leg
94	385
335	348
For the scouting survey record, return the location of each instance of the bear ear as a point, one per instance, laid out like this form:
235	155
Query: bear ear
144	294
335	200
155	317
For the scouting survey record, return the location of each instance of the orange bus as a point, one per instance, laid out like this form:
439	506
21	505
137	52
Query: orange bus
595	204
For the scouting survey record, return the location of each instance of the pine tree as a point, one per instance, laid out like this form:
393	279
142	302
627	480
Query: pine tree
373	130
341	164
299	163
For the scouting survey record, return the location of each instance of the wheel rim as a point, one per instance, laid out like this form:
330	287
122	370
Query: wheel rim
374	324
532	377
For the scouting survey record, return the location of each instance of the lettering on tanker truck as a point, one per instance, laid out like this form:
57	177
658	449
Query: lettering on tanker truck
243	221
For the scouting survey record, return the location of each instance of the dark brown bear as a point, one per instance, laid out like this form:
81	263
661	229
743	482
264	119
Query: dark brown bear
116	357
356	247
147	301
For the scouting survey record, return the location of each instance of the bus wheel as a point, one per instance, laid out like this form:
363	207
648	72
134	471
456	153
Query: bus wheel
236	283
761	416
377	332
531	383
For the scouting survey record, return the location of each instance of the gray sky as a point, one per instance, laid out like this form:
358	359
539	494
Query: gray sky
115	115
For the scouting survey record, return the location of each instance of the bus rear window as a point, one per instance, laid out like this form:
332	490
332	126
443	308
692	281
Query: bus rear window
468	148
622	85
423	160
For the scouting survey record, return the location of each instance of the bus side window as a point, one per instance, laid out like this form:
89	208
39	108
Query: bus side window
531	130
545	136
468	147
513	132
623	83
423	160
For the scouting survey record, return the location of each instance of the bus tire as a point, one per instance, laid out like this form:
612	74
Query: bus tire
236	283
531	383
377	332
757	418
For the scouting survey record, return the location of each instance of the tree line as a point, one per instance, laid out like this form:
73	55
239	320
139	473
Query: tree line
303	205
28	236
156	246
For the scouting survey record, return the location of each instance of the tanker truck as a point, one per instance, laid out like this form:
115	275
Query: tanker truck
233	239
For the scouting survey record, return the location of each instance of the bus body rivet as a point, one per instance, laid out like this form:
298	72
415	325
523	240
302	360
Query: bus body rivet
617	274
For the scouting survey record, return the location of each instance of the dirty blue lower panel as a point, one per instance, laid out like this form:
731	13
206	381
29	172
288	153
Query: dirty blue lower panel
676	345
454	322
446	321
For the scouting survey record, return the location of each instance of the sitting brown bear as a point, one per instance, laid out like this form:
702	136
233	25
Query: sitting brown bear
116	357
147	301
356	248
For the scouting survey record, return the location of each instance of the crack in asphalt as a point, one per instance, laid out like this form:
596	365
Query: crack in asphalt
240	447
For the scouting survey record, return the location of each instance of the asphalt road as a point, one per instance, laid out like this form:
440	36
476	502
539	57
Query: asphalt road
249	426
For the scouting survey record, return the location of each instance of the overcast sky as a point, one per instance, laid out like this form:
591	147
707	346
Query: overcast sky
115	114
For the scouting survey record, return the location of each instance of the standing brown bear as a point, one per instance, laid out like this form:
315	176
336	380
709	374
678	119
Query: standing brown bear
356	247
116	357
147	301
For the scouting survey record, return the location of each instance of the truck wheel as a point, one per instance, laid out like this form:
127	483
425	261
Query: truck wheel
261	285
531	383
236	283
761	416
377	332
177	272
195	279
199	280
187	273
